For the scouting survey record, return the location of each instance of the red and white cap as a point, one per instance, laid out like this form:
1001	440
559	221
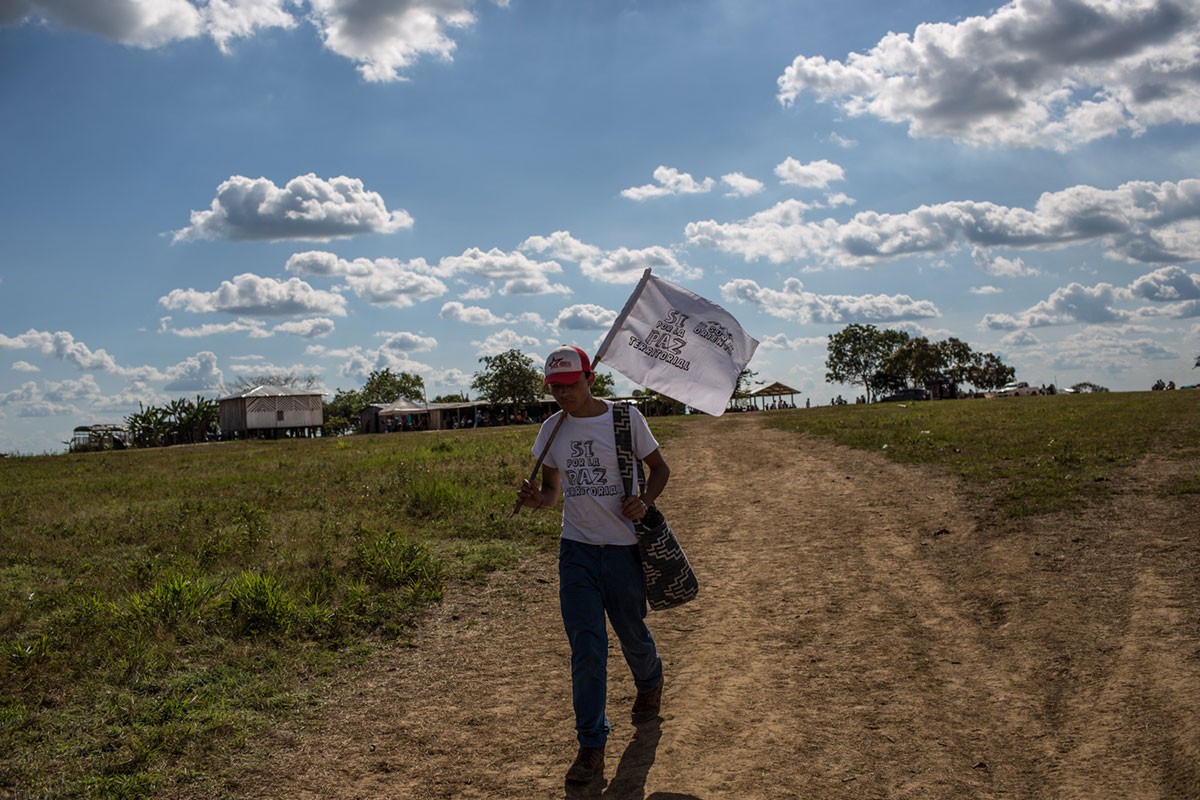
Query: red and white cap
566	365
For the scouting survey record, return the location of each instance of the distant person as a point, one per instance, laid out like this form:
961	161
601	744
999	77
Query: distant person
599	568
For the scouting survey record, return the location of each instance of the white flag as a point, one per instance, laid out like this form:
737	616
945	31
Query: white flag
678	344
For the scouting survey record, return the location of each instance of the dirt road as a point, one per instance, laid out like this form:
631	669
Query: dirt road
860	633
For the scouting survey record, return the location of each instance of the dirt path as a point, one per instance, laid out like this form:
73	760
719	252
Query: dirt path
858	635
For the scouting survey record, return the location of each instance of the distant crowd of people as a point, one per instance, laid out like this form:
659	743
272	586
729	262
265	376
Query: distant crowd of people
1160	386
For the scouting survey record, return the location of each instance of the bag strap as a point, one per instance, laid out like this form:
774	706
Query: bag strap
623	432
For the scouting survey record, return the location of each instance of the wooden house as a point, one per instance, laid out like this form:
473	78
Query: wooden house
271	412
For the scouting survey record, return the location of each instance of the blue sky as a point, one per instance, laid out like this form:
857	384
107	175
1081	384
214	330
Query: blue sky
197	192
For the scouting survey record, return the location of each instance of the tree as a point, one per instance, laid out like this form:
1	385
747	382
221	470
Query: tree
745	382
1088	388
917	361
604	385
509	378
341	413
457	397
989	372
653	404
284	380
1197	364
856	354
383	386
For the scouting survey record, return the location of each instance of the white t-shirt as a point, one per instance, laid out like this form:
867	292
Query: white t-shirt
585	454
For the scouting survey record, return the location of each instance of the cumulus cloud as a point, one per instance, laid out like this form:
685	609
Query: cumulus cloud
407	342
359	362
741	186
814	175
198	373
563	246
313	328
516	273
138	24
477	315
503	341
1111	350
623	265
585	317
307	208
257	296
63	345
382	38
382	281
670	181
792	302
1068	304
1176	290
1138	221
1167	284
1035	73
999	266
781	341
24	366
386	38
984	290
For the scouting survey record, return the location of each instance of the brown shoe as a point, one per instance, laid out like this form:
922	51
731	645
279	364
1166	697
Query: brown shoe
645	707
589	764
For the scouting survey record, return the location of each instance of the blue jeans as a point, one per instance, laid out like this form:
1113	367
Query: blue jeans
592	581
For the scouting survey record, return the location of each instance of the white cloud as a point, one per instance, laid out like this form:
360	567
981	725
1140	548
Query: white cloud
477	315
382	38
254	328
1166	285
198	373
386	38
1110	350
585	317
842	141
1036	73
382	281
407	342
504	340
561	245
132	22
999	266
1066	305
62	345
517	273
814	175
985	290
254	295
741	186
1138	222
626	266
307	208
670	181
307	328
623	265
471	315
24	366
794	303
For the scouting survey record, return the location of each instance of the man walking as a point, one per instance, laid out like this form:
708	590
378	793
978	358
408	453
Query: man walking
598	564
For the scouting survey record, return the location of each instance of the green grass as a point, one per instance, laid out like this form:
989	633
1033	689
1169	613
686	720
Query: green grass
1023	455
158	607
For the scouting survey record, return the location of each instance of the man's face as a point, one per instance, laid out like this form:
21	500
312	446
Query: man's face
573	397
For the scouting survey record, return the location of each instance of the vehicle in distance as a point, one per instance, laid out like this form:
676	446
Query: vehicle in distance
1017	389
905	395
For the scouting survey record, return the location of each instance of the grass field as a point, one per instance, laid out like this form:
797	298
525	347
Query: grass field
159	607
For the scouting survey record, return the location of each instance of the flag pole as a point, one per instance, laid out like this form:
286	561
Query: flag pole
612	332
